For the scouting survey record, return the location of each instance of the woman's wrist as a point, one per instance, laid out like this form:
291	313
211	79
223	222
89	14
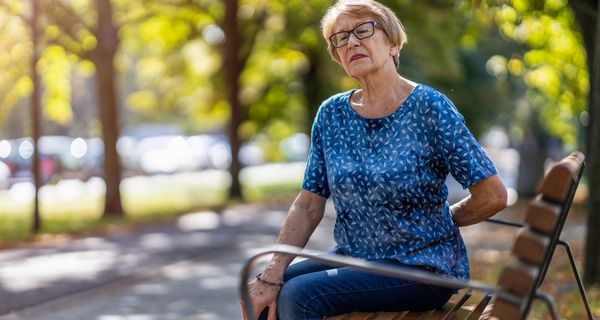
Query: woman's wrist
273	272
261	278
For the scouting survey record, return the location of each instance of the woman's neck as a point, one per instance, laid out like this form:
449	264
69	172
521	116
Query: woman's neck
380	95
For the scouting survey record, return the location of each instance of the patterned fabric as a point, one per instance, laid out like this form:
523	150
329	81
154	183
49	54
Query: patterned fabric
387	177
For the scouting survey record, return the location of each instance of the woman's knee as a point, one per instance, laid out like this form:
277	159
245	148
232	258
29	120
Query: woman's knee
294	300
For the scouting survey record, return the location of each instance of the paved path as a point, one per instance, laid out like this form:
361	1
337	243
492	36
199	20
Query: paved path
183	270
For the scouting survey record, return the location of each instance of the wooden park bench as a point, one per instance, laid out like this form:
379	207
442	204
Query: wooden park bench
518	284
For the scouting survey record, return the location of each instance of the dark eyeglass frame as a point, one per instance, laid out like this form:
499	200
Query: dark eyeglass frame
352	31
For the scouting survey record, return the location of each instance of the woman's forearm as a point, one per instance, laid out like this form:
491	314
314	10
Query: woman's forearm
303	217
487	198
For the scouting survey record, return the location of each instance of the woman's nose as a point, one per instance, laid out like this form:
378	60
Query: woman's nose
353	41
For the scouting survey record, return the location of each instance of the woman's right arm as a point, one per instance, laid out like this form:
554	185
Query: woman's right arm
303	217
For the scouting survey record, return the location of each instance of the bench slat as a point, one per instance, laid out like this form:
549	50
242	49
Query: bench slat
457	306
370	316
542	216
505	310
362	316
474	315
530	246
518	278
557	182
390	315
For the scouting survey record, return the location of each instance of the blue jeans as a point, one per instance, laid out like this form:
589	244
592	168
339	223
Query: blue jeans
313	291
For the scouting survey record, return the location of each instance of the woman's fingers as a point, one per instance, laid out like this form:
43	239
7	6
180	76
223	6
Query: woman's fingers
261	296
272	311
244	317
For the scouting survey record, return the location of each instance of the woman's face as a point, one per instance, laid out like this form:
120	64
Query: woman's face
361	57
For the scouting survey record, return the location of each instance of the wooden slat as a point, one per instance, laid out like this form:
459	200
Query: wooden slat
542	216
417	315
505	310
390	315
456	306
362	316
339	317
518	278
428	315
557	182
530	246
474	315
400	315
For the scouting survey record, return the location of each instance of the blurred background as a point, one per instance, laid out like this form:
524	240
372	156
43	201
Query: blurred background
143	110
184	104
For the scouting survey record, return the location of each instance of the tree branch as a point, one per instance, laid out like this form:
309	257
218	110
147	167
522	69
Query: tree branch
246	51
71	46
10	11
71	14
69	21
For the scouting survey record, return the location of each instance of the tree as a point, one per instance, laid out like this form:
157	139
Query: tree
203	22
588	16
554	68
234	64
92	35
15	45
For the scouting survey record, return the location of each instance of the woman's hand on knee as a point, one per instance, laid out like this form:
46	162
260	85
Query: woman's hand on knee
261	296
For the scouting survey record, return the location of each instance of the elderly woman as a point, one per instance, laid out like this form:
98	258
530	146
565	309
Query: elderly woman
383	153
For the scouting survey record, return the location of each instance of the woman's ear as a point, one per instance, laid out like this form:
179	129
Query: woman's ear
394	50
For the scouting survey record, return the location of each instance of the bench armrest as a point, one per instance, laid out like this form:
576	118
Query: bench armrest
505	223
373	267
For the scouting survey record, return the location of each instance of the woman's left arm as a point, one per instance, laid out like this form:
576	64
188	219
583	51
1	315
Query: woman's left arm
487	198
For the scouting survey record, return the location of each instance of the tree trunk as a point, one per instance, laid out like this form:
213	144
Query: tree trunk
587	12
233	71
103	58
533	153
35	115
592	253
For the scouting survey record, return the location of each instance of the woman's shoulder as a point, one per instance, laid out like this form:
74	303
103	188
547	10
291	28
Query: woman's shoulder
433	101
337	99
335	103
432	95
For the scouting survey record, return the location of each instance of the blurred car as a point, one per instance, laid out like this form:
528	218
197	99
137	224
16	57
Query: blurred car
295	148
4	175
20	156
163	154
210	151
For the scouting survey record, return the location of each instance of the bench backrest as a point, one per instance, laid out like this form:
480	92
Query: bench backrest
535	243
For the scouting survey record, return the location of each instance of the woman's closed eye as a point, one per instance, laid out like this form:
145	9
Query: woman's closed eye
362	31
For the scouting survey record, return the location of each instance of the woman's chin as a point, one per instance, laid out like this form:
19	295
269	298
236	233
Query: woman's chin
358	71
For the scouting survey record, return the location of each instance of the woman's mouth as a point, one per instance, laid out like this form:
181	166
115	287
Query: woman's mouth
356	57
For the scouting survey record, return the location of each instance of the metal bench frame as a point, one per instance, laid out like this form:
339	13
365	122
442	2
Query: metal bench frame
422	276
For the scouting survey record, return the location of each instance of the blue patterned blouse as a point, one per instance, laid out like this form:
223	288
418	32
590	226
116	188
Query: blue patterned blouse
387	177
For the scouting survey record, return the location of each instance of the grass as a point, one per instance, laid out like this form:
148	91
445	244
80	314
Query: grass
74	207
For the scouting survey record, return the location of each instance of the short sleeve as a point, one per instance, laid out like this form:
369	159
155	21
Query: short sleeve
315	175
465	158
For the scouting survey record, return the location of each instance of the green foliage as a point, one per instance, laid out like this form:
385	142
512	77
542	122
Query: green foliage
15	83
171	65
553	66
54	68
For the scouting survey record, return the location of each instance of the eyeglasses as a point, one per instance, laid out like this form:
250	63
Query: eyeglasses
361	31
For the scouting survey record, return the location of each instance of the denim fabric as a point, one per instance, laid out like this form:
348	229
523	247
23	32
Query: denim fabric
387	179
313	291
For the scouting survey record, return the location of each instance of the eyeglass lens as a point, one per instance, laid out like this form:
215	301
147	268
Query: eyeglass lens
361	31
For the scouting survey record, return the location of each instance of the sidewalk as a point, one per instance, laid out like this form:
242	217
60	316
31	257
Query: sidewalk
183	270
40	279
